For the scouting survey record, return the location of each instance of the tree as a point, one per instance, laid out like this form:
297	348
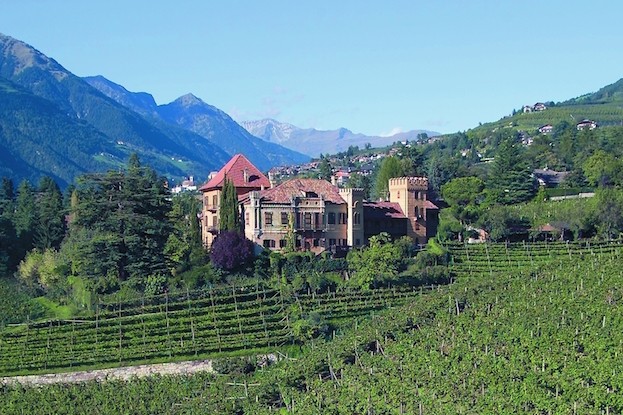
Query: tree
376	263
390	168
609	204
603	169
120	225
7	230
229	216
25	218
231	250
325	170
464	195
50	228
360	181
440	170
510	179
7	198
183	248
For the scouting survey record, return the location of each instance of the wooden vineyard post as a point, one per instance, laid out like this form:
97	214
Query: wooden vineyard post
143	324
47	347
120	333
21	360
192	322
218	336
244	343
97	323
265	328
73	335
166	310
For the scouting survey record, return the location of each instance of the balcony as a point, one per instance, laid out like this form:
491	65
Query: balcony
310	227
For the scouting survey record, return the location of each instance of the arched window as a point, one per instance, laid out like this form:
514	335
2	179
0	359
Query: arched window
356	218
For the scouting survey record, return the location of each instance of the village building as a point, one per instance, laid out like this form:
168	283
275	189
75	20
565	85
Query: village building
315	215
586	125
546	129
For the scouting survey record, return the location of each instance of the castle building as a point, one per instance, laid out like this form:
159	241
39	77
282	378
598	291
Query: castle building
315	215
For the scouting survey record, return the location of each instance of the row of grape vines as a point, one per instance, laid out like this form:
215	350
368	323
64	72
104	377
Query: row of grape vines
200	323
476	259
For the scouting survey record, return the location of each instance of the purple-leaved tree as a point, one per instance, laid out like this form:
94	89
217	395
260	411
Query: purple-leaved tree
230	251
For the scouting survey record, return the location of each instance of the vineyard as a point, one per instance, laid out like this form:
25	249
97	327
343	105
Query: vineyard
196	324
525	328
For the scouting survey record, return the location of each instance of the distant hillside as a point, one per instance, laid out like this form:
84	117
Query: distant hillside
604	106
37	139
213	125
314	142
172	152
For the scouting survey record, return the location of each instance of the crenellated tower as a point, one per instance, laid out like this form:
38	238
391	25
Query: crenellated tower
411	193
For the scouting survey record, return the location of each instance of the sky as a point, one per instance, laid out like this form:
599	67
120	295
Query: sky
373	67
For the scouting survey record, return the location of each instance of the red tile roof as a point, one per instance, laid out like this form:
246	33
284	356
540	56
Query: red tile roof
286	191
430	205
235	171
382	210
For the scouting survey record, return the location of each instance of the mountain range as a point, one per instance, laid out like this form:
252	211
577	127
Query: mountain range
314	142
55	123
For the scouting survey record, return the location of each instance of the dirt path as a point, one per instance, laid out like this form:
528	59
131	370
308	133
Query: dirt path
121	373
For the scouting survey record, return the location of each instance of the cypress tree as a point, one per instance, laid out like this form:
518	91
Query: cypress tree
229	218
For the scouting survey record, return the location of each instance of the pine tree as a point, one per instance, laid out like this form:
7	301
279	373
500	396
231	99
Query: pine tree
120	224
510	179
25	218
50	228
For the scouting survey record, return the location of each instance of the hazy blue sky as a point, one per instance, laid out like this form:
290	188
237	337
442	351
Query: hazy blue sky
370	66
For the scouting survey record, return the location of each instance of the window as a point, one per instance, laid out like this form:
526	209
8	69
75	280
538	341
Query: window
417	212
343	218
269	243
214	200
357	218
215	221
317	220
316	242
308	221
331	218
268	218
285	218
331	242
282	243
344	242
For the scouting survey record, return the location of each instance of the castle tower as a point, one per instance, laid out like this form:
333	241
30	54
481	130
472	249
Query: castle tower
411	193
354	201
